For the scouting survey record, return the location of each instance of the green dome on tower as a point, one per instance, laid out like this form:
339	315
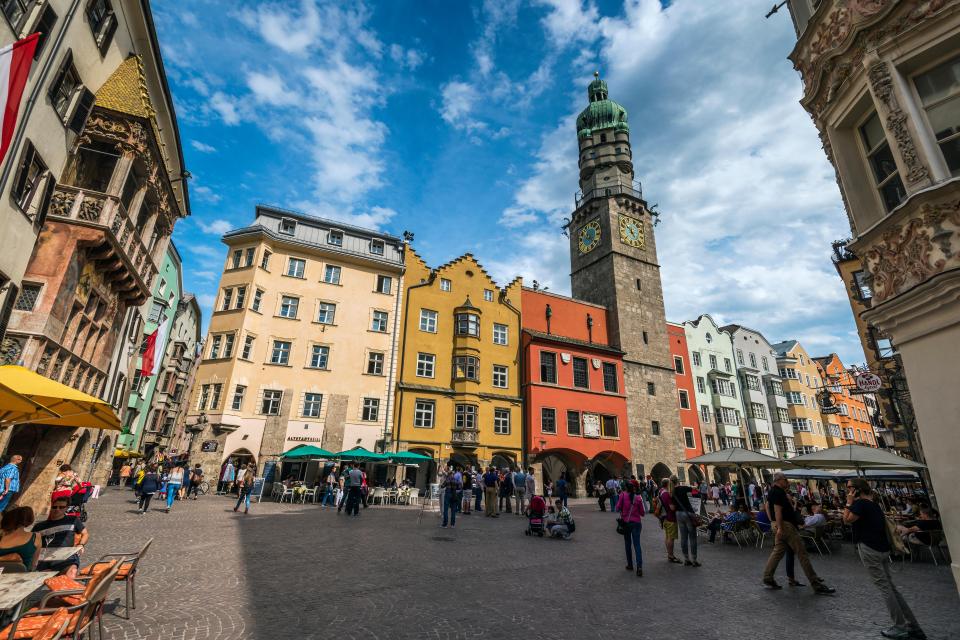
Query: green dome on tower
601	113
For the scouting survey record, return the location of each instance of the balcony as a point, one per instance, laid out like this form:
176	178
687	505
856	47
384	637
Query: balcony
123	258
635	190
465	438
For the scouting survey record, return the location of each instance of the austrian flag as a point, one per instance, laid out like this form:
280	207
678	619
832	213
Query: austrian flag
15	60
153	354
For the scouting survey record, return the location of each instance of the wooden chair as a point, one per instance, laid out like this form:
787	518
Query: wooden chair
129	562
81	616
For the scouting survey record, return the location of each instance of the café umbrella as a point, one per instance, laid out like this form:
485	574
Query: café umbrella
359	454
737	458
307	451
404	457
855	456
15	408
73	408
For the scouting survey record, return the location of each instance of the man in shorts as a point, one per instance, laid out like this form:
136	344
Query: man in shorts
670	531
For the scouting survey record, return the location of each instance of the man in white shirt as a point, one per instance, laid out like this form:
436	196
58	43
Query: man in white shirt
815	519
612	488
531	483
520	490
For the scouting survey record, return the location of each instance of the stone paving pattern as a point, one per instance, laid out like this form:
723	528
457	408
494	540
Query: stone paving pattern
292	571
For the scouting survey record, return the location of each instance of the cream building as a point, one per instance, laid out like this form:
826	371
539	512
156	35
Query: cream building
301	341
881	81
801	382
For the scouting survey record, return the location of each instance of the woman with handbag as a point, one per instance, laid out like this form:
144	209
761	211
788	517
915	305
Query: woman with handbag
630	523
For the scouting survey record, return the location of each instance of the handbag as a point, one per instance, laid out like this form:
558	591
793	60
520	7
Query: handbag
623	527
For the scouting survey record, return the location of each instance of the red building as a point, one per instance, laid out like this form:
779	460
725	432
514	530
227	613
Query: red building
576	410
689	418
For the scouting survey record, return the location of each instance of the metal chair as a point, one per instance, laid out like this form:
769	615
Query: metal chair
936	544
761	533
126	572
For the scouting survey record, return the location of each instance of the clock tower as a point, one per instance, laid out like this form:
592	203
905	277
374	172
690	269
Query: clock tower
613	257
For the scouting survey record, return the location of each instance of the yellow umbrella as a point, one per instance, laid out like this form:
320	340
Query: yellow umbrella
73	408
17	408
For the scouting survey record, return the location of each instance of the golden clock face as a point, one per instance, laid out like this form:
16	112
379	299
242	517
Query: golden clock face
589	236
631	231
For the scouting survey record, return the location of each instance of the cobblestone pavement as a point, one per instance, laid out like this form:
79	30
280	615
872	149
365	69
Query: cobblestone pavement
292	571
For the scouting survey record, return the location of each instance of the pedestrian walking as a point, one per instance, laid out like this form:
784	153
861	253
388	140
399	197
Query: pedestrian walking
342	487
466	495
491	482
687	521
331	485
125	471
148	485
613	488
227	477
174	482
601	492
785	522
668	515
477	489
10	481
453	484
630	507
531	483
196	479
869	526
506	491
520	491
245	478
354	493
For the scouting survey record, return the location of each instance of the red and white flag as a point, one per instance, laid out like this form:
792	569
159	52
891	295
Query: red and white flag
15	61
154	353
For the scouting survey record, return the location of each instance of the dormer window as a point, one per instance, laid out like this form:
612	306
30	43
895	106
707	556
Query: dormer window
288	226
335	238
376	247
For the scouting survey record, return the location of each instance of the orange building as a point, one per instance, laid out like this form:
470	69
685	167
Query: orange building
573	388
852	424
686	398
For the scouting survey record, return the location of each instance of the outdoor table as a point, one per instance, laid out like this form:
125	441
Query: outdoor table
15	588
57	554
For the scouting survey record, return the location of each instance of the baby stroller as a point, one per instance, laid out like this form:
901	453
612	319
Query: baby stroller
535	525
78	501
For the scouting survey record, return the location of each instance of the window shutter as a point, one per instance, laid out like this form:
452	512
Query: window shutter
84	105
108	32
61	72
49	185
12	293
20	182
259	407
303	402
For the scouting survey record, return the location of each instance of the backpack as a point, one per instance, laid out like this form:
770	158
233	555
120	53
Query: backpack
658	508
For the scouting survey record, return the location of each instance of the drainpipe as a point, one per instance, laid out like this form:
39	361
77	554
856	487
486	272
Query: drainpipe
523	436
403	347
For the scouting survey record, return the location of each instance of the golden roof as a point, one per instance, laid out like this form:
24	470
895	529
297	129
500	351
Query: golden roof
125	91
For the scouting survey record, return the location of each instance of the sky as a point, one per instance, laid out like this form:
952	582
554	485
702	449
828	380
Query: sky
455	121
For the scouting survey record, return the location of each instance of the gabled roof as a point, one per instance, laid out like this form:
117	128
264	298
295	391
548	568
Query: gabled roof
785	346
125	91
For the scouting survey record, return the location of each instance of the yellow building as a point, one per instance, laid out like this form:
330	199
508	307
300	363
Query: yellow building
301	341
801	381
458	391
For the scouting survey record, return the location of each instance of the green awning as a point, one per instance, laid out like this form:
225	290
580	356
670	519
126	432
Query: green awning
407	456
307	451
359	454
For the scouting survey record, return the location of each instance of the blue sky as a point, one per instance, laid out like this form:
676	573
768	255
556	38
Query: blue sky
454	120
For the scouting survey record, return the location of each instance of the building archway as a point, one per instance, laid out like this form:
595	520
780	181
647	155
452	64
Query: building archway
695	475
659	472
562	463
241	456
501	460
463	460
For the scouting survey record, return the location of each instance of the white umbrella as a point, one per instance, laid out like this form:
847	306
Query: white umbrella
854	456
737	458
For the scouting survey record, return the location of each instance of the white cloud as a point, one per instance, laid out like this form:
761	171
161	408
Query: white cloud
216	227
206	300
270	89
202	147
226	107
570	21
408	59
458	102
206	194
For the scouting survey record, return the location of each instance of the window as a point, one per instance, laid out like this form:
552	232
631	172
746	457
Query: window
137	381
248	256
727	365
445	284
500	378
375	364
228	345
795	397
64	87
501	421
296	267
701	384
379	322
646	339
371	409
610	383
28	297
758	411
651	389
384	284
939	91
801	424
16	11
704	414
265	260
257	300
425	365
753	360
423	413
548	420
311	405
713	362
270	405
331	274
726	415
783	415
776	387
376	247
217	389
247	347
237	257
238	393
32	181
319	356
487	295
881	162
760	441
287	226
241	297
753	382
581	378
695	357
466	416
227	299
215	346
289	305
466	368
573	423
467	324
684	398
428	320
763	363
723	387
655	427
500	333
548	367
326	312
678	365
710	444
335	238
688	439
281	352
739	357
